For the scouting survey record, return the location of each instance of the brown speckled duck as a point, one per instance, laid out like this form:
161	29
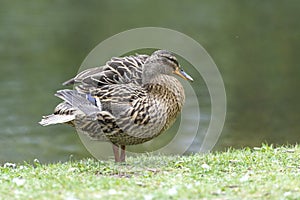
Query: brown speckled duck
128	101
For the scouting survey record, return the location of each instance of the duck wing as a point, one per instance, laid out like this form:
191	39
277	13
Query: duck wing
118	70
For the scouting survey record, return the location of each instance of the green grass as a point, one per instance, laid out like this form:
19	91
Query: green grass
259	173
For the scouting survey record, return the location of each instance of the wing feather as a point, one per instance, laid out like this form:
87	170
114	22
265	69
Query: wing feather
118	70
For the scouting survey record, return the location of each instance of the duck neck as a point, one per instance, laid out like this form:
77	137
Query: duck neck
169	94
149	77
164	86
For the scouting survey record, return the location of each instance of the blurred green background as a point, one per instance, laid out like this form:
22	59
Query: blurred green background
255	45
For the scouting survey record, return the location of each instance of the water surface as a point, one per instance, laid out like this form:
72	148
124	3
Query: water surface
255	45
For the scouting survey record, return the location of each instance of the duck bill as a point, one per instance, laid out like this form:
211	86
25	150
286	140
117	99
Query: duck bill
182	74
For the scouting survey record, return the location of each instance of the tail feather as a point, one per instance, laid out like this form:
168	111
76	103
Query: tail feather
78	100
74	103
56	119
70	96
63	113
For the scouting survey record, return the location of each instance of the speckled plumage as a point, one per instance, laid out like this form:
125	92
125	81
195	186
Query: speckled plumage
128	101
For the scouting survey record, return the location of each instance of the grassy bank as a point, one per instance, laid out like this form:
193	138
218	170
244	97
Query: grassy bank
258	173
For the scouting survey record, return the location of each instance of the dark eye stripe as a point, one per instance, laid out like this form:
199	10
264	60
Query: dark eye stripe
173	60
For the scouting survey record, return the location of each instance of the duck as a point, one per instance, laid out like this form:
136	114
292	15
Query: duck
128	101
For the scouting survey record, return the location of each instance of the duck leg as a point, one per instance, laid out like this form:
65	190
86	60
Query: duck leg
122	157
119	157
116	152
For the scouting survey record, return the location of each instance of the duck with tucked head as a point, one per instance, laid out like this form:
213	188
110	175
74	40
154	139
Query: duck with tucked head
128	101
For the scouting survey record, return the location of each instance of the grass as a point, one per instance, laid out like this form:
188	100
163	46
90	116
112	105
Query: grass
259	173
